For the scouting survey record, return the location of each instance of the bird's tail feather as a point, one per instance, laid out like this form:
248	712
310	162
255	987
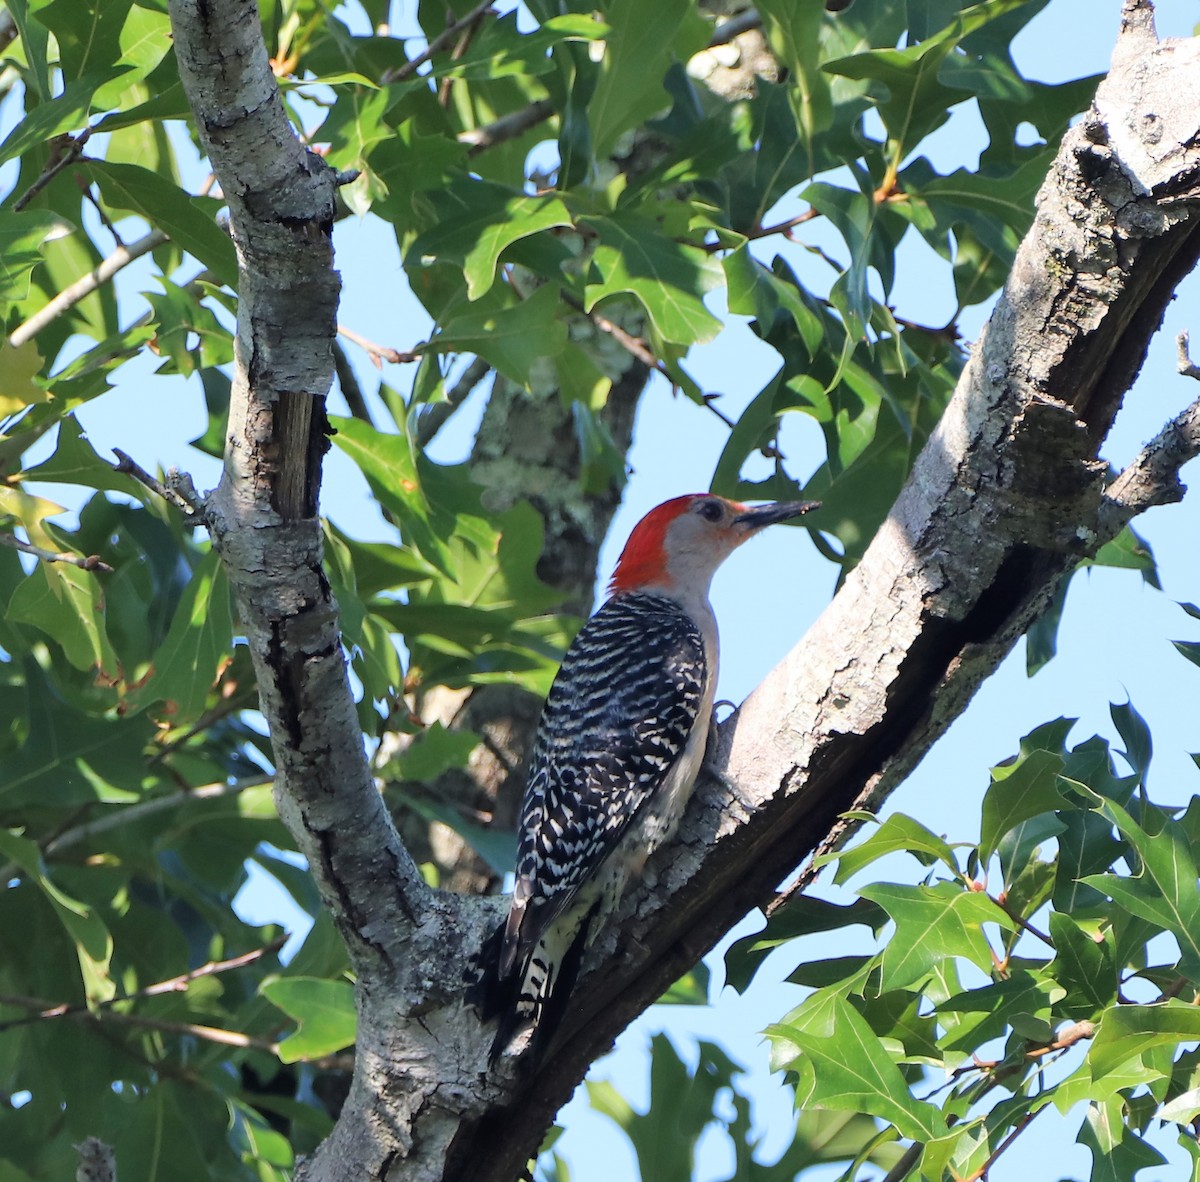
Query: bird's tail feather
534	996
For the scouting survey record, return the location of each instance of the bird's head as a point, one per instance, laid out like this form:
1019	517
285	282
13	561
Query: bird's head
678	545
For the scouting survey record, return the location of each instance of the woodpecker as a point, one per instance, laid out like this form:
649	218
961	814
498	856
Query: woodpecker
619	746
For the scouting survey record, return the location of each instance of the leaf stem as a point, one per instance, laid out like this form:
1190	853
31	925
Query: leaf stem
67	154
84	562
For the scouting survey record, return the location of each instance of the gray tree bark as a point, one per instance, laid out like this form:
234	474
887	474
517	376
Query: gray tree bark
1005	499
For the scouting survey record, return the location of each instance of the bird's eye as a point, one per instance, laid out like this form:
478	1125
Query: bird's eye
710	510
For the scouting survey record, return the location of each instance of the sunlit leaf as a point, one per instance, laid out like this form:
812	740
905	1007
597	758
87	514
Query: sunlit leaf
93	944
850	1069
669	278
932	923
322	1010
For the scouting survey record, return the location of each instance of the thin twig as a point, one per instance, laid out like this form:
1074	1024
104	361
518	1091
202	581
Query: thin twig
231	703
1183	357
785	227
735	27
377	353
710	401
1020	921
134	812
89	195
192	509
232	1038
632	344
85	285
948	332
456	54
229	1038
123	816
507	127
436	45
68	154
171	985
430	421
88	562
211	969
1018	1129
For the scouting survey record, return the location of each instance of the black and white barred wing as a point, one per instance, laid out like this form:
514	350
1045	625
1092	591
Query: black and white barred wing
618	716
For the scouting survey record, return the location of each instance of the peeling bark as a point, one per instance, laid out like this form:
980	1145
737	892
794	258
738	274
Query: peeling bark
1007	496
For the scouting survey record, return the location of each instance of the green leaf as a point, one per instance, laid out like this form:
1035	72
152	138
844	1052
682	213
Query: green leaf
1018	792
1117	1151
432	753
22	237
1165	891
69	757
1128	1031
801	916
629	89
855	214
88	32
770	158
477	221
1132	728
680	1100
770	296
1041	640
67	112
322	1010
669	278
910	95
1129	551
975	1017
849	1069
186	332
692	989
19	367
200	640
898	832
188	221
793	31
513	340
67	603
933	923
601	463
1083	966
75	461
404	482
93	944
855	499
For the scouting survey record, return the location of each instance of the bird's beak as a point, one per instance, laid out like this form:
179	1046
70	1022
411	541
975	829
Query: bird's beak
758	516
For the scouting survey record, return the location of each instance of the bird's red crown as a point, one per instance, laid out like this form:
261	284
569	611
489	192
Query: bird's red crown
644	559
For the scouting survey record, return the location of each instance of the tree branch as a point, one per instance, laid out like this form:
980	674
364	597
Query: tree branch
66	299
171	985
262	516
1007	496
507	127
